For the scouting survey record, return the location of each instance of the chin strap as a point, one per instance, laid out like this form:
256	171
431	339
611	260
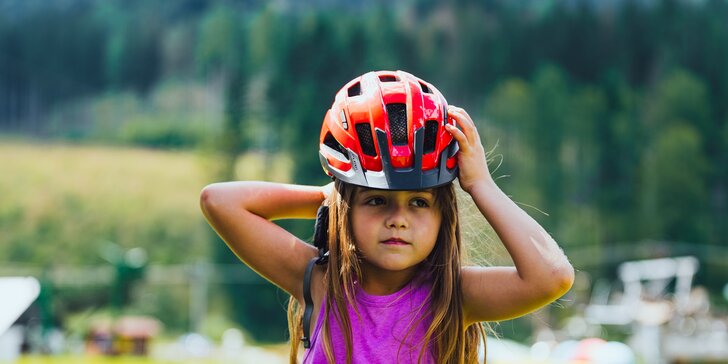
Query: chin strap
320	241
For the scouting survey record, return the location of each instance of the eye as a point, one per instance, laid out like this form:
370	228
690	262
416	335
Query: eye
420	202
374	201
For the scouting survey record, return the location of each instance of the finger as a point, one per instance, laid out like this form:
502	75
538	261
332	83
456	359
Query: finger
459	136
469	131
462	116
466	124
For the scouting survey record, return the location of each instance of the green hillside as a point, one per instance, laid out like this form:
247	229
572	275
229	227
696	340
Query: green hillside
61	202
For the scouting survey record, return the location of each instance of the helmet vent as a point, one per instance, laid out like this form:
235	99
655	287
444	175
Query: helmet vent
334	144
364	131
355	89
388	78
430	136
397	114
425	89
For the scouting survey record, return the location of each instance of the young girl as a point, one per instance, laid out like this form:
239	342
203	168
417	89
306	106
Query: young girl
391	287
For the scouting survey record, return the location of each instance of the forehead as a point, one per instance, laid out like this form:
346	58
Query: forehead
363	191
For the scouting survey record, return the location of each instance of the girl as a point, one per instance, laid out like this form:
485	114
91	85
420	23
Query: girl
391	287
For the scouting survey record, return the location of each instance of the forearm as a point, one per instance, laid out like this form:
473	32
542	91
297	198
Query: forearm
538	258
269	200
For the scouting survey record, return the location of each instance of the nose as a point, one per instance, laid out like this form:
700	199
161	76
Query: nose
397	218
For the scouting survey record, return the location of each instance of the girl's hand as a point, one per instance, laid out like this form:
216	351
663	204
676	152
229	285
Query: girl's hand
471	158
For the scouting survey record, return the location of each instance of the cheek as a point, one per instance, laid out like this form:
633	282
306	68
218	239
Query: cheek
434	225
361	226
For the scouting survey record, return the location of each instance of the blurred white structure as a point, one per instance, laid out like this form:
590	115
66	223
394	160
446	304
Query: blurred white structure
669	318
17	293
10	342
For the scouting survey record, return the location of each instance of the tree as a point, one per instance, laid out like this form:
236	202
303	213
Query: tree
221	53
676	168
675	173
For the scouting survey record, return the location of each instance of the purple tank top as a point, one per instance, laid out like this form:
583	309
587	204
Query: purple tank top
383	331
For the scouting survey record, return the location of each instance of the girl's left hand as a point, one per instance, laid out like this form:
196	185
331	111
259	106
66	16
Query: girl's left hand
471	157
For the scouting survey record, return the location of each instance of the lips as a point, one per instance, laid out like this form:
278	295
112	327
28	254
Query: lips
395	241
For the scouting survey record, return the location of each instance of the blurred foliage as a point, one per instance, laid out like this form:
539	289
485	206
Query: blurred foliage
67	201
608	116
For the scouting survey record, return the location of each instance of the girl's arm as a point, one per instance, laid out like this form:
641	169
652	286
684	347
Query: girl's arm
241	213
542	273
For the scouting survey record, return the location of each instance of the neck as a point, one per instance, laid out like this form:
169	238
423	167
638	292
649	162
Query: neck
379	282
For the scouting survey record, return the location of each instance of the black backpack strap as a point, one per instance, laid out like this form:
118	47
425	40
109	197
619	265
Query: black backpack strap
308	302
321	230
320	241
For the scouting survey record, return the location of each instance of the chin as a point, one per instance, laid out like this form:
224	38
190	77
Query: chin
396	266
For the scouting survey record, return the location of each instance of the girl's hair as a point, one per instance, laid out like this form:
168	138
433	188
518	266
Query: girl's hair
446	336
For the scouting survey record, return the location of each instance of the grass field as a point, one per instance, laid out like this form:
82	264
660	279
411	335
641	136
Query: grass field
60	201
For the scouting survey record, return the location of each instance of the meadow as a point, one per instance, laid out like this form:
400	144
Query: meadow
61	202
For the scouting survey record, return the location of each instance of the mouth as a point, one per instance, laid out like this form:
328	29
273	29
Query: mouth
395	241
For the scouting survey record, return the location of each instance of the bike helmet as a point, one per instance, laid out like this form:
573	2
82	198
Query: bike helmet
386	130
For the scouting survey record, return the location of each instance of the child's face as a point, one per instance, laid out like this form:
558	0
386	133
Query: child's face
381	217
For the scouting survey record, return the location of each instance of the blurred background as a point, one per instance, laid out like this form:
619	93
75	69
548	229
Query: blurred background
607	121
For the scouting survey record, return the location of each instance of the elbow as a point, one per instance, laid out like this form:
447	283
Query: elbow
563	280
555	282
209	198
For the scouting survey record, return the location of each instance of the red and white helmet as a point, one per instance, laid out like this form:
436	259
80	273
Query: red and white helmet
386	130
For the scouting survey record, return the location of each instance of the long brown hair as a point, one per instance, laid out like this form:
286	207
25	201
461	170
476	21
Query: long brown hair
451	341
